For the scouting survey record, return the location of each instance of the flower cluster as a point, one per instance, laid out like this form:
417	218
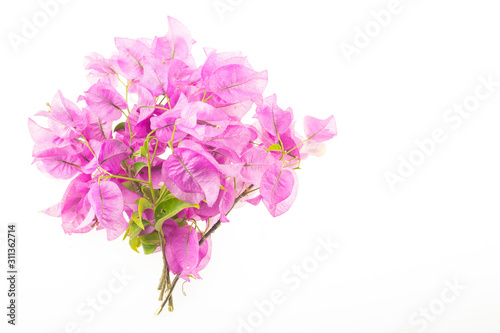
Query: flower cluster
167	169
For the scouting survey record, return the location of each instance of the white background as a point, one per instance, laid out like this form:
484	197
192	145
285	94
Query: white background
397	248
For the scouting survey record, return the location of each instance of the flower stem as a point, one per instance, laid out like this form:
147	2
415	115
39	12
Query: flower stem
202	240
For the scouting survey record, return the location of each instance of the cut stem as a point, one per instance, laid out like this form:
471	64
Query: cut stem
170	289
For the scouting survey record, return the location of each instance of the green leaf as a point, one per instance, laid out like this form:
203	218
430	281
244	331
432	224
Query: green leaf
119	126
133	233
146	190
145	148
275	147
137	216
128	185
135	243
150	239
136	154
164	194
143	152
148	249
138	166
126	233
181	222
169	208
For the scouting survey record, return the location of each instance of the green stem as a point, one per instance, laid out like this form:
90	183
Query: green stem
87	144
153	107
300	144
129	127
125	178
150	178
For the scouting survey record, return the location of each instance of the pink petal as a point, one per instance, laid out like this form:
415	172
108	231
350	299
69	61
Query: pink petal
100	69
277	183
235	137
318	130
283	206
75	207
231	170
204	255
106	201
63	167
237	83
111	154
191	177
54	210
105	102
181	249
131	58
216	60
272	118
155	77
176	44
97	129
44	137
256	161
66	120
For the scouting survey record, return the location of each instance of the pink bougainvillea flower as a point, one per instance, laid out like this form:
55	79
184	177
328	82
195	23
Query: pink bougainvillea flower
106	201
155	78
317	149
256	162
131	58
176	44
97	128
318	130
237	83
235	111
191	177
182	249
231	169
75	206
216	60
222	206
61	163
277	183
100	70
66	120
283	206
273	119
227	200
180	115
235	137
104	101
44	137
111	154
205	121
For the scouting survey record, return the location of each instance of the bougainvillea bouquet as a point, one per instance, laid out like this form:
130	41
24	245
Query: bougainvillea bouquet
166	171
